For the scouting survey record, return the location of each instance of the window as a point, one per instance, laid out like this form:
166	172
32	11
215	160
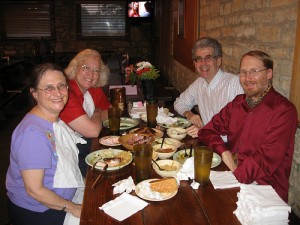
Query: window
103	19
21	19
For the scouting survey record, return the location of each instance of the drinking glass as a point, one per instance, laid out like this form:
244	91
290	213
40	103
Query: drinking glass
114	118
142	160
202	164
152	109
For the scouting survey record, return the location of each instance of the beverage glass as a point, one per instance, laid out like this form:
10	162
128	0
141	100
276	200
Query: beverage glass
152	109
202	164
114	117
142	160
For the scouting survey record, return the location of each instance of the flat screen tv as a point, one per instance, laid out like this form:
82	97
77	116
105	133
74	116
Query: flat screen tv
140	10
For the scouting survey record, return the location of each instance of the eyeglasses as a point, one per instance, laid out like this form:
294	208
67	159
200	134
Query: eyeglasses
206	59
250	73
50	89
88	69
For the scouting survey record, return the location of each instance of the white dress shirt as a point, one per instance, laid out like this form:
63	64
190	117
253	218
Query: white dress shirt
210	98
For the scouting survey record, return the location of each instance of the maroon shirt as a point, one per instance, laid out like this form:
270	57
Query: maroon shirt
263	137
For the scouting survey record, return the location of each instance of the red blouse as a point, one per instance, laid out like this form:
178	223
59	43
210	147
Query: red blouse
263	137
74	107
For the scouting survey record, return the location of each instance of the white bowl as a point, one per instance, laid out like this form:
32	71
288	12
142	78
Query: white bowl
163	164
164	155
177	133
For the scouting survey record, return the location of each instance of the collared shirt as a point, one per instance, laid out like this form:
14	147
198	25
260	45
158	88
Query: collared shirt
74	108
210	98
263	137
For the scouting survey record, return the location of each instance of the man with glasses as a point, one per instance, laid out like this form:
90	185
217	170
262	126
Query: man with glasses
260	126
212	90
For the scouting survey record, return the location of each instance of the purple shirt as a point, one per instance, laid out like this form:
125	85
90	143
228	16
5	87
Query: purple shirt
33	147
263	137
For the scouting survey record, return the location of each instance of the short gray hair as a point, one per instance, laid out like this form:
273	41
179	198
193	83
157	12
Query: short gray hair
70	71
206	42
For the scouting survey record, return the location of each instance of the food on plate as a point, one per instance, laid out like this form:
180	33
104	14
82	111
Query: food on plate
111	158
145	130
110	140
140	139
164	150
112	161
169	167
165	185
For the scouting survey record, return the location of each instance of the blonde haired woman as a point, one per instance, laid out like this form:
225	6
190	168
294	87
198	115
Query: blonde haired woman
87	105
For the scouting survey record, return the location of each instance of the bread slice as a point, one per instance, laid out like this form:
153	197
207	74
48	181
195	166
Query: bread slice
165	185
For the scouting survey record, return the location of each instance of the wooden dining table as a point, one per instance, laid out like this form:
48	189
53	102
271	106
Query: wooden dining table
205	205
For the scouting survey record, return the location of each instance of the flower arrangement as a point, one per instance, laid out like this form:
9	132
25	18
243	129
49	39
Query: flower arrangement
142	70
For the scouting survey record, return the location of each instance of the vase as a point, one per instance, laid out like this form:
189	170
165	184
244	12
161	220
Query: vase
148	89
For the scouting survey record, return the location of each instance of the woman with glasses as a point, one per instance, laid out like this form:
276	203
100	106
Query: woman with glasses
212	90
35	193
87	105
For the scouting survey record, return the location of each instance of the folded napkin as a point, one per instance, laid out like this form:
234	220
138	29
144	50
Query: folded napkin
126	185
78	198
67	174
260	204
223	179
164	118
123	206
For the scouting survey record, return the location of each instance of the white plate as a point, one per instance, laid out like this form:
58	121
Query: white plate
179	157
110	141
170	141
99	155
181	122
125	123
139	192
157	134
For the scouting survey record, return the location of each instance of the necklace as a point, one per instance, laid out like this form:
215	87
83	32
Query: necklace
252	103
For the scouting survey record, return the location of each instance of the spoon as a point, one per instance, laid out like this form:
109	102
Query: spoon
162	142
157	165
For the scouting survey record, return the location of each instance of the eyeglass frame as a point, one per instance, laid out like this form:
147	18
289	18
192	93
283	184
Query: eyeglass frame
53	88
88	69
206	59
251	73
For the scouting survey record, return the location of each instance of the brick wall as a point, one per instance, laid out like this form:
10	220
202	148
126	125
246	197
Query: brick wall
244	25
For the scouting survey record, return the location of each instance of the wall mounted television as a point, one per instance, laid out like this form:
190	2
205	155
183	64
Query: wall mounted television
140	10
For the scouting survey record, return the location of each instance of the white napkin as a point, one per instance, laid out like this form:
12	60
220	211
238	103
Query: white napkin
78	198
164	118
126	185
67	174
187	170
123	206
260	204
223	179
88	104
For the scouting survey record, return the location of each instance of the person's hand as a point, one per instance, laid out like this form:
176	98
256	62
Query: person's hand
194	118
74	209
193	131
228	159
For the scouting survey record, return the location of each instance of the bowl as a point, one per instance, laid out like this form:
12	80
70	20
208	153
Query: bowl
143	117
177	133
171	167
166	151
129	140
